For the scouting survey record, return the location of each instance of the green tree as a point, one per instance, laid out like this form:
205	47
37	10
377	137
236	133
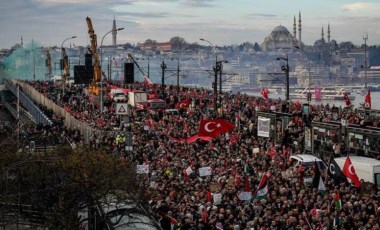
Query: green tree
57	186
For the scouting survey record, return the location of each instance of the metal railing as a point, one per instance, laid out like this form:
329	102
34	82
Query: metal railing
29	105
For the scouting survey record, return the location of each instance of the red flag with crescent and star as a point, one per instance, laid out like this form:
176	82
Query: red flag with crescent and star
349	172
265	93
347	99
214	127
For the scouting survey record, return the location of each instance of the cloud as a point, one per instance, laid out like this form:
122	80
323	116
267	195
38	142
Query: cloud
361	6
255	15
198	3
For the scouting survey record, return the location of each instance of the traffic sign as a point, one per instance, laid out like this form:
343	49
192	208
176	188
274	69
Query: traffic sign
122	109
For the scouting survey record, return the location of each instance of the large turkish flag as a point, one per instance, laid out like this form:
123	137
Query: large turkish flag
214	127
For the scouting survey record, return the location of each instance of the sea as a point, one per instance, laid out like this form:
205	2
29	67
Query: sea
358	102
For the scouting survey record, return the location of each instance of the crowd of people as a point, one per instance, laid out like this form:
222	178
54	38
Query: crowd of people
182	198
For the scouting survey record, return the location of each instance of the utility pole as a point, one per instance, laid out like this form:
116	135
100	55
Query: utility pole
365	61
216	69
178	78
285	69
163	67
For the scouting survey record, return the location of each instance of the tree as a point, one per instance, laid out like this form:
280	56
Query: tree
178	43
58	186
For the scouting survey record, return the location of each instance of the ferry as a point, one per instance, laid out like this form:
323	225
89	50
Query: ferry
327	93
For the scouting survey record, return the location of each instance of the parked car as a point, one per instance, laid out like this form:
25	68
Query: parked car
308	161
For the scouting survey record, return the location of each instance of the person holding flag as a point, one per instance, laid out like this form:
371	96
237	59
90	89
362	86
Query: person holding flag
367	100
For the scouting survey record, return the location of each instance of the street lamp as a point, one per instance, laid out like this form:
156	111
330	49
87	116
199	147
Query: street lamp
309	70
163	68
101	71
218	67
61	63
285	69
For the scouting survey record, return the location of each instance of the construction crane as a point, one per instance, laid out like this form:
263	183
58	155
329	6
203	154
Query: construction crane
138	67
96	82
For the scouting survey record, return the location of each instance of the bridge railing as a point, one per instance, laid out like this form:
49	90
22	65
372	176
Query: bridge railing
69	121
29	105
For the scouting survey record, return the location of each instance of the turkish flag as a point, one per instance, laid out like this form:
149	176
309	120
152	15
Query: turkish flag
265	93
214	127
349	172
367	101
183	104
347	99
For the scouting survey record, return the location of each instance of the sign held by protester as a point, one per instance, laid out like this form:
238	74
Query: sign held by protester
263	127
205	171
142	169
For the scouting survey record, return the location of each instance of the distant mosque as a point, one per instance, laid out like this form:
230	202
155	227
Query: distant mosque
281	39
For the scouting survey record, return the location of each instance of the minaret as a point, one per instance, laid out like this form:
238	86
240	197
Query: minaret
328	33
299	29
114	32
323	36
294	27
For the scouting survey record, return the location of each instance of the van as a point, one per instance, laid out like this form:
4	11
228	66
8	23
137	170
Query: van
171	111
308	161
367	169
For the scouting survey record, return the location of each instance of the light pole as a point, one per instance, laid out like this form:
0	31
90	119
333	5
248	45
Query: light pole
216	68
163	68
61	64
101	71
285	69
309	71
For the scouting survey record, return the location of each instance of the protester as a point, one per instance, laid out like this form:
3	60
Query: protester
239	160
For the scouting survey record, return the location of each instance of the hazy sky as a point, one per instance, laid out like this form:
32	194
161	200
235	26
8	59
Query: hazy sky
222	22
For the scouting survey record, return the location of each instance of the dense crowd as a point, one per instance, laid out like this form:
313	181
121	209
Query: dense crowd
181	198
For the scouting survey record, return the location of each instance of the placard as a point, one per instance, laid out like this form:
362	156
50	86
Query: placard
142	169
245	195
217	197
205	171
263	126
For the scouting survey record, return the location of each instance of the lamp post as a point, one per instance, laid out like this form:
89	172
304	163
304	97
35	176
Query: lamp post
285	69
163	68
101	63
216	68
309	72
61	63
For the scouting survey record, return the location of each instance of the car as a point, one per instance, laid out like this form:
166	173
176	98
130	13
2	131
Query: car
119	97
308	161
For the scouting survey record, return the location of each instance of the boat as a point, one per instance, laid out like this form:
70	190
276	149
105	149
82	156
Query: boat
326	93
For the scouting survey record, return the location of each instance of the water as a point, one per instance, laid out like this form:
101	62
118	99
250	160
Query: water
359	99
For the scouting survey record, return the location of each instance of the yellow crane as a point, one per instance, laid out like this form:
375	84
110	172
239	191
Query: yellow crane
96	82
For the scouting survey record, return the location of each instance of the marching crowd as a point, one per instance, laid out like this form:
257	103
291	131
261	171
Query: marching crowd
226	197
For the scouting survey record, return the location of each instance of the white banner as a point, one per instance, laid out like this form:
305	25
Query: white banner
217	197
189	171
263	127
245	195
205	171
142	169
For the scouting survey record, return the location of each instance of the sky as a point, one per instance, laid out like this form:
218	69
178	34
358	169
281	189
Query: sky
222	22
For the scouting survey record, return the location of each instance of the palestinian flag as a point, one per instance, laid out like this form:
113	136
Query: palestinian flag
338	201
213	149
262	190
173	223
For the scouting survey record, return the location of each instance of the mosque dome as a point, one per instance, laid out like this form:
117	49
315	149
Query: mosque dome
279	39
280	29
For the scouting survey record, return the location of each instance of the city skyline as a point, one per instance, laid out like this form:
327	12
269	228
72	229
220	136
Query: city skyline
222	22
